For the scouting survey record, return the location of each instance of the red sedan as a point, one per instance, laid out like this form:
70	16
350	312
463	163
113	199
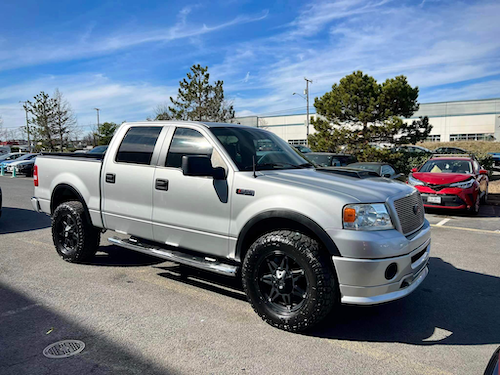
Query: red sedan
456	183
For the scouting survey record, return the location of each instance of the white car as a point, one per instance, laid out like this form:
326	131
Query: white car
23	165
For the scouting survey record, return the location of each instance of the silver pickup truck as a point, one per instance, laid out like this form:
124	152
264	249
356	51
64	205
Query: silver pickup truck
240	201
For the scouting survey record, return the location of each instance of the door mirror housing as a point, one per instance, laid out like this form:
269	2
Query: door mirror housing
201	166
483	171
414	169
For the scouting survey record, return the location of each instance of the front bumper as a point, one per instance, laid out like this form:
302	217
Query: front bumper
451	198
365	282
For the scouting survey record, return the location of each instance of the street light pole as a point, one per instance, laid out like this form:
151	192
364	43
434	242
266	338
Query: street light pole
27	125
307	100
97	109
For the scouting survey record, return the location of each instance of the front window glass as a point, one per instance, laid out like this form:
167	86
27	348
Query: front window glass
246	145
447	166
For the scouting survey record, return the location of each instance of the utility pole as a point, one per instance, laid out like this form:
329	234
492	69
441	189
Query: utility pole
307	116
27	125
97	109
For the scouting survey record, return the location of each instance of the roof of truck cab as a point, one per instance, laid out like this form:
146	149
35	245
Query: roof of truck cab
202	123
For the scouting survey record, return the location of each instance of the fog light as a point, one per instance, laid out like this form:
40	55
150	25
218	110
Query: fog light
391	271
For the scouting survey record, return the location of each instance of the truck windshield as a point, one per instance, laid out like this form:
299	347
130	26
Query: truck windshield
246	145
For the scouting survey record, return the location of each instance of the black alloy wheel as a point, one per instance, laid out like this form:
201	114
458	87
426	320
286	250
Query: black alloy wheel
289	280
75	239
282	282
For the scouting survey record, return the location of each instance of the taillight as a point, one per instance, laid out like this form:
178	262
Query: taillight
35	175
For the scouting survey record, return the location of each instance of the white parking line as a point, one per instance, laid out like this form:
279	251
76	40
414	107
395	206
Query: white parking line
442	222
470	229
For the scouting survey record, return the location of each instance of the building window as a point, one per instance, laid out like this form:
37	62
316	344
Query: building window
472	137
434	138
298	142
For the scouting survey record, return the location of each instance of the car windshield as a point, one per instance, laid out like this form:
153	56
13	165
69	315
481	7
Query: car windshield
367	167
9	156
98	150
326	160
447	166
246	145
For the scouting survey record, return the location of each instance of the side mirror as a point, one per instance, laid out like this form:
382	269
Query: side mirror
414	169
483	171
201	166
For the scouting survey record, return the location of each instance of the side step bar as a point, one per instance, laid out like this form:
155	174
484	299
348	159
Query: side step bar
176	256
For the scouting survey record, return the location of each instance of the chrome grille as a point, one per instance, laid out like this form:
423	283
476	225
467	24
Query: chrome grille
410	212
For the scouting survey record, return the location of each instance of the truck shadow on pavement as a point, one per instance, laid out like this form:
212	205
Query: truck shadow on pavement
451	307
115	256
16	220
27	327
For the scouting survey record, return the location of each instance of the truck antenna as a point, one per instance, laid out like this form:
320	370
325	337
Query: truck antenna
253	165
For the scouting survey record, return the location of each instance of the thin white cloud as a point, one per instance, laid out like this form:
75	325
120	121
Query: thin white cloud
118	101
448	43
88	46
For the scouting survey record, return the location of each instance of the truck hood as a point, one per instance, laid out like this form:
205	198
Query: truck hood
441	178
369	190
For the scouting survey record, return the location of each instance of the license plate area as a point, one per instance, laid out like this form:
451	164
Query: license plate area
431	199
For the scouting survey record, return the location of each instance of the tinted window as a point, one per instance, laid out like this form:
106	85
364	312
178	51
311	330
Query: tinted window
245	145
138	145
187	142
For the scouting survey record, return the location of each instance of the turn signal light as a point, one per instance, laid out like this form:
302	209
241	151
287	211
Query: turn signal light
349	215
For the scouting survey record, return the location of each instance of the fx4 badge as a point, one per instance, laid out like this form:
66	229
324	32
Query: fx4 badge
245	192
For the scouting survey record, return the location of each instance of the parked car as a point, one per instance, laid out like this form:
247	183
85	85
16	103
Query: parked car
196	193
450	150
98	150
23	166
381	169
328	159
10	157
4	150
496	158
456	183
413	149
303	149
24	157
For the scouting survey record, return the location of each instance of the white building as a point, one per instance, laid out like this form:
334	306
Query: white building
452	121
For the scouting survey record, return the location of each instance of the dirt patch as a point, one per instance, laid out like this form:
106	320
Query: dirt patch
494	187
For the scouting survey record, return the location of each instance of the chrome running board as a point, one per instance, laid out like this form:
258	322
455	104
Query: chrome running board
207	264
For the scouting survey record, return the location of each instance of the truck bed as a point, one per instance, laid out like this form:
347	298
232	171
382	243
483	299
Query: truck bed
80	172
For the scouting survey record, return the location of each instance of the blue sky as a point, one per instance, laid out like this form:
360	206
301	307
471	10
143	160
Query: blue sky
126	57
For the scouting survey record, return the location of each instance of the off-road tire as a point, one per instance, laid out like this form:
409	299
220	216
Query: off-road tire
322	286
88	237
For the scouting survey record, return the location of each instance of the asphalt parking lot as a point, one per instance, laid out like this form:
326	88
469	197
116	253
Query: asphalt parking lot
140	315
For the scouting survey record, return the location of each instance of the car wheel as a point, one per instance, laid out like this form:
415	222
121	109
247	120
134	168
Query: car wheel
474	210
288	281
75	239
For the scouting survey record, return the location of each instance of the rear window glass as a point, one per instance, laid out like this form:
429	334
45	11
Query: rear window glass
138	145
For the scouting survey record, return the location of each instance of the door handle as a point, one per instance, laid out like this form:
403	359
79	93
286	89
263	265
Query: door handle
110	178
161	185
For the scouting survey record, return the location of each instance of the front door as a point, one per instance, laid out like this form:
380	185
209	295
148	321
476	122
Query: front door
191	212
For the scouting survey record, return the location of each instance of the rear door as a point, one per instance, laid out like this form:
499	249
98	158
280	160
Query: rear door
127	182
191	212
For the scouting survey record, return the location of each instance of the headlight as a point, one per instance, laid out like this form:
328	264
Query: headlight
463	184
413	181
367	217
